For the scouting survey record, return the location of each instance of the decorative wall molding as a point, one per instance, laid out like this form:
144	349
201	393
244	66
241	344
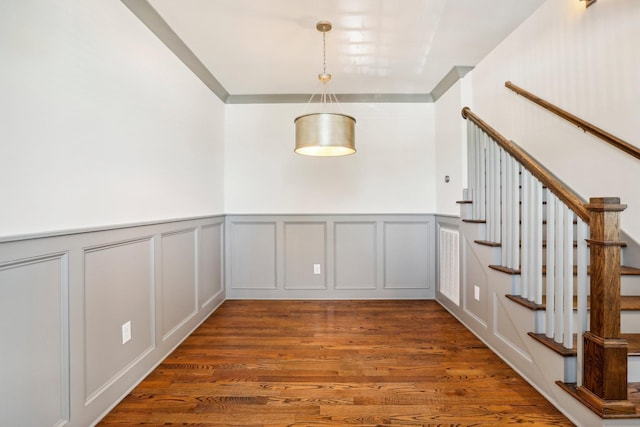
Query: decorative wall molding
118	286
359	256
35	328
251	260
178	279
165	278
407	249
211	274
69	293
354	252
305	246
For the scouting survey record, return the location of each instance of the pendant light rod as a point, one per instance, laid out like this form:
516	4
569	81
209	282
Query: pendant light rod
324	27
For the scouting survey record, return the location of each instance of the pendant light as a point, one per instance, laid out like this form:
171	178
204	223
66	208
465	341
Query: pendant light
325	133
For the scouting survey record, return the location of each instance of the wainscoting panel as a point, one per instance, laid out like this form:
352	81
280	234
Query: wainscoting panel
178	282
355	255
474	283
64	298
360	256
253	255
212	263
407	248
305	247
34	387
119	288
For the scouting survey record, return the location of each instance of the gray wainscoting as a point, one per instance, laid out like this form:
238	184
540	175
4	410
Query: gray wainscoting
330	256
64	301
34	389
67	296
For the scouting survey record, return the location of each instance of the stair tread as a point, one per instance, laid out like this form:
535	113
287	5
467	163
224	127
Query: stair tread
525	302
557	347
633	395
629	271
633	340
504	269
488	243
625	270
634	343
575	244
627	302
630	302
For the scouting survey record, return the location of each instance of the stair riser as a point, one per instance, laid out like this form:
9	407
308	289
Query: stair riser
630	322
466	211
630	285
474	231
633	369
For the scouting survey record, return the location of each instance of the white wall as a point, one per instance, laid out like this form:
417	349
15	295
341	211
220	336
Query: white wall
100	124
585	61
451	146
392	172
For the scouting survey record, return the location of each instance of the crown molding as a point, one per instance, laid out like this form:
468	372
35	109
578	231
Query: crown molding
158	26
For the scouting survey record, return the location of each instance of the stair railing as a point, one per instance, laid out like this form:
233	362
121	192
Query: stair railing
522	203
582	124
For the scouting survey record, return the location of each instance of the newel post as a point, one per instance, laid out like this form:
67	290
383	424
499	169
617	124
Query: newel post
605	353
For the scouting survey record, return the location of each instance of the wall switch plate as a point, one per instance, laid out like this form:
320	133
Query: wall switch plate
316	268
126	332
476	293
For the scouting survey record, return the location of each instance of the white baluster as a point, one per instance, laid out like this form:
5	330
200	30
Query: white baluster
551	263
472	148
531	208
482	182
505	199
515	214
497	220
476	173
582	234
559	274
536	242
490	214
471	163
568	277
526	258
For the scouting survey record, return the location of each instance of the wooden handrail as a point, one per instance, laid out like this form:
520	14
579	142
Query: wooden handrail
568	197
582	124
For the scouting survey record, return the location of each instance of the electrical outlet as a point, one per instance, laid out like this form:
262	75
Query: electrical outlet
476	293
316	268
126	332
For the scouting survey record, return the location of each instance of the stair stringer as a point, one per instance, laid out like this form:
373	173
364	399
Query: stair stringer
503	326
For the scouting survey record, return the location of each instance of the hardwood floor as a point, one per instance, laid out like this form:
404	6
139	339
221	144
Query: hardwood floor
330	363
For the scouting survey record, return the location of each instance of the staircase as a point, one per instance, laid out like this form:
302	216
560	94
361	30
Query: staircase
559	300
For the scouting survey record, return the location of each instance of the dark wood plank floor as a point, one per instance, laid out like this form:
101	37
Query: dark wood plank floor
330	363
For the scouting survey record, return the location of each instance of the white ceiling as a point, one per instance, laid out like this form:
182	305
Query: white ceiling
272	47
